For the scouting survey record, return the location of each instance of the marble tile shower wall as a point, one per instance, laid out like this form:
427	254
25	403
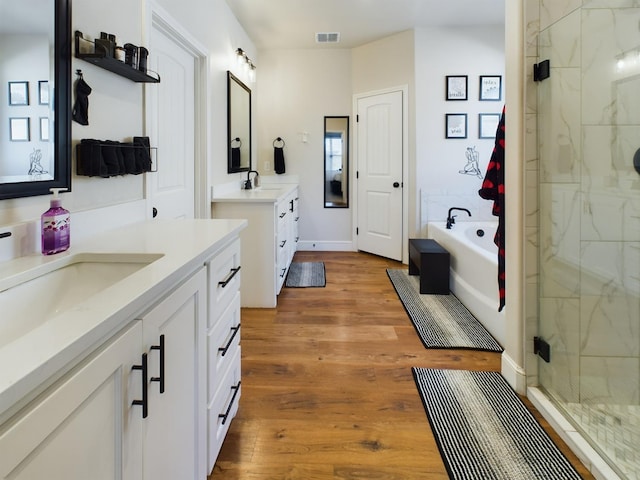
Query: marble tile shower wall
588	222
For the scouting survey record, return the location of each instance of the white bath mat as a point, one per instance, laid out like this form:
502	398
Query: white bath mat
484	431
306	274
440	320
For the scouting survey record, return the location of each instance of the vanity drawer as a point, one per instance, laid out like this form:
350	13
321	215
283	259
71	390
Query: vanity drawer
223	339
223	409
224	280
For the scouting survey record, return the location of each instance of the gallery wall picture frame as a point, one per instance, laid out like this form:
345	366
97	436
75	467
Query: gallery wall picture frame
490	88
19	129
43	92
44	129
487	125
18	93
456	125
457	87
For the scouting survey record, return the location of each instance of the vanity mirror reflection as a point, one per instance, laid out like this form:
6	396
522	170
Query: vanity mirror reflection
238	125
336	162
35	81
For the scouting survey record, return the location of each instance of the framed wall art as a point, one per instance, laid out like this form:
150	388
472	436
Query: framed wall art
491	87
19	129
456	125
18	93
43	92
488	124
457	87
44	129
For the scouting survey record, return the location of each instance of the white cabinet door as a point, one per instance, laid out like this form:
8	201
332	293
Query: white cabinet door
175	429
85	425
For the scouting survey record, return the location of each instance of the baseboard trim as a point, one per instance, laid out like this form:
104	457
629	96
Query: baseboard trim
326	246
514	374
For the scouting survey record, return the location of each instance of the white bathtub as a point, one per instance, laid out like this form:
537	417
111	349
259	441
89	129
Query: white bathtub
474	270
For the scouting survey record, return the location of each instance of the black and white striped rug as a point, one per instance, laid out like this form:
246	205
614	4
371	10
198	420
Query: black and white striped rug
440	320
306	274
484	431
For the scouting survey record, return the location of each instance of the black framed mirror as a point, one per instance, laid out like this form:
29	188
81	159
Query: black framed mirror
238	125
336	162
35	62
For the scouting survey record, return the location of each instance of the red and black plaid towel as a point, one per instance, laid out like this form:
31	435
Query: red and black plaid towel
493	189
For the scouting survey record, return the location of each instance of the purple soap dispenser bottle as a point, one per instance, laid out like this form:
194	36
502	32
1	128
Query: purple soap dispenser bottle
55	226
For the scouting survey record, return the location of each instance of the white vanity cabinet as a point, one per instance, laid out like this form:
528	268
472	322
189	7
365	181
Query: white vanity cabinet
287	234
83	426
174	438
269	241
140	384
134	408
223	346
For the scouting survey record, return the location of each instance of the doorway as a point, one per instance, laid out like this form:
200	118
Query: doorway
381	165
175	121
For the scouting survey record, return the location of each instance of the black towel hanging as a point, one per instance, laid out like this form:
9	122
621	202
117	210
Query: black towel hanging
236	143
80	111
278	155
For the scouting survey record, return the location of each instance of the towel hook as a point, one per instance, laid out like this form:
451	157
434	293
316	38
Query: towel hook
79	73
279	139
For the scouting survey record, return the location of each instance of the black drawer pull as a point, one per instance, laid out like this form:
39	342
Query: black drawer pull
144	402
160	379
284	242
282	215
223	416
291	205
226	347
232	273
284	270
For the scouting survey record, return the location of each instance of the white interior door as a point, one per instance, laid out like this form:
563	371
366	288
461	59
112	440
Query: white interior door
171	119
379	163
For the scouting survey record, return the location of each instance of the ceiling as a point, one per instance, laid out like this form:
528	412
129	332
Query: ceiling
294	23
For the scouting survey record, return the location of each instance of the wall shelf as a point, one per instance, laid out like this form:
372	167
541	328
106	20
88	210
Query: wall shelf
109	63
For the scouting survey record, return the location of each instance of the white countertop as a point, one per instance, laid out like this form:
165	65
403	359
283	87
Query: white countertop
271	193
184	245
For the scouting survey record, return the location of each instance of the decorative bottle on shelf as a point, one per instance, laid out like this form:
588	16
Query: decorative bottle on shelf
55	226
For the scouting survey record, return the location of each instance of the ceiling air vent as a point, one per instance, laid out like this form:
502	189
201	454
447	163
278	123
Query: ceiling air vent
327	37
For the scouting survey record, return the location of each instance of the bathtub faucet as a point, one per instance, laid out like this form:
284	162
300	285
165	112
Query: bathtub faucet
451	219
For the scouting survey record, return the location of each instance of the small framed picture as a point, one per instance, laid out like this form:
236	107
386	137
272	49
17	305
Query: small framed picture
43	92
456	125
488	124
19	129
491	87
457	87
18	93
44	129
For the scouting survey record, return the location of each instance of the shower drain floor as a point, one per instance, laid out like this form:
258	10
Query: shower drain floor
616	431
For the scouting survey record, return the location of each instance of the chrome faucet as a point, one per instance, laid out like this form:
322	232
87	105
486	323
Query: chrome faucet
451	219
248	185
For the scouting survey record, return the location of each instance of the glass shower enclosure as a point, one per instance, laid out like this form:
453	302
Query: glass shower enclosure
589	224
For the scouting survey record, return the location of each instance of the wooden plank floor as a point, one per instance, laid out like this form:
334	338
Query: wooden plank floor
327	390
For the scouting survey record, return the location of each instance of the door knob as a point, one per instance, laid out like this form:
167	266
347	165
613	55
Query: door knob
154	212
396	184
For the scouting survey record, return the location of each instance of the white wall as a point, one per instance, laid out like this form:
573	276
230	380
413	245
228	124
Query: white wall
453	51
294	91
389	63
298	88
116	110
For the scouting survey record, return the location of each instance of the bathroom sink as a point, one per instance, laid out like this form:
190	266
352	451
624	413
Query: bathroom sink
29	298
